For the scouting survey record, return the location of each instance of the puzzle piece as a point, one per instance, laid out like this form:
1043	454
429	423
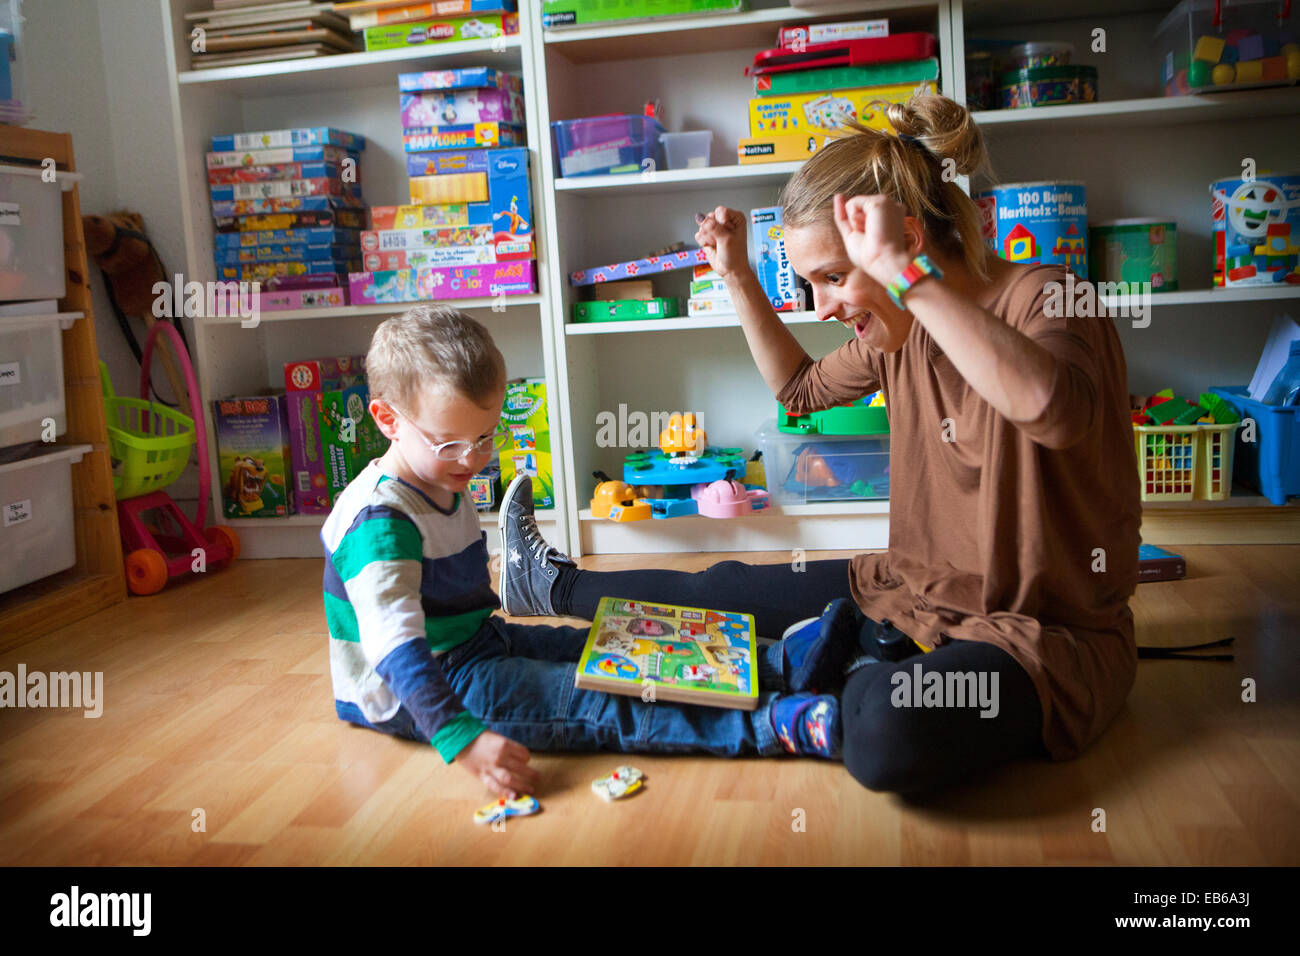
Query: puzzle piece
522	806
623	782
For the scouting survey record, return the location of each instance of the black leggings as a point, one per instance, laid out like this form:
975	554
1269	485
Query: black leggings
887	746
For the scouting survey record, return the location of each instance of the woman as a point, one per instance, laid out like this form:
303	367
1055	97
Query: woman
1014	509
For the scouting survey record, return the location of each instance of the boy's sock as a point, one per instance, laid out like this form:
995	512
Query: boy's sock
817	653
808	724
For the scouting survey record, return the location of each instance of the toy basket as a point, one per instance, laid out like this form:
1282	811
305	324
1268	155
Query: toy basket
1185	462
1166	457
149	443
1214	460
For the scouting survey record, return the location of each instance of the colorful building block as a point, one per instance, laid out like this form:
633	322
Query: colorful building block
1208	49
1251	47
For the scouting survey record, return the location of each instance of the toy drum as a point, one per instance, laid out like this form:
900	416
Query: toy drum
1256	229
1037	222
1135	251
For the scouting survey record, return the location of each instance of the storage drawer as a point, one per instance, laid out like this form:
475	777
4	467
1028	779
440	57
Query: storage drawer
37	536
31	378
31	235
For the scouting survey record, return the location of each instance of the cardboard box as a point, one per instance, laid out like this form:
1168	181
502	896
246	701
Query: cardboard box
321	236
464	136
771	265
484	26
638	267
284	154
626	310
449	188
779	147
421	258
390	240
795	37
285	138
293	221
823	112
284	299
429	110
448	216
253	456
470	78
440	161
323	396
526	438
226	175
627	289
283	189
433	282
560	13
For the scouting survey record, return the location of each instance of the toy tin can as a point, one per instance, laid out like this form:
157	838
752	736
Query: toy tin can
1256	230
1135	250
1037	222
1048	86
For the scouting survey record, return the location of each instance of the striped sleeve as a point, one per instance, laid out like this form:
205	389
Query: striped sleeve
379	562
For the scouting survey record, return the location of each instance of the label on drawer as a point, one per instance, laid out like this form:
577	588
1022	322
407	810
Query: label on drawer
16	512
10	373
9	214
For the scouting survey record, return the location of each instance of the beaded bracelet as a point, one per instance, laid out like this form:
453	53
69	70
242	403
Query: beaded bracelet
915	271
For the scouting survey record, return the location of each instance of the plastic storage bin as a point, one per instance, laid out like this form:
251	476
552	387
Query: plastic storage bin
607	144
1271	463
1185	462
31	379
687	150
1250	46
37	536
31	236
802	469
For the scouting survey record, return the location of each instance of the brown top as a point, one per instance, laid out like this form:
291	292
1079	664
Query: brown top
994	528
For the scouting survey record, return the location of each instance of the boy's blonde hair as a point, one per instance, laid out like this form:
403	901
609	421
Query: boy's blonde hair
432	347
908	167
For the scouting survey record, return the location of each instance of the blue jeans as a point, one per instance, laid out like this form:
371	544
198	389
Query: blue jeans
519	681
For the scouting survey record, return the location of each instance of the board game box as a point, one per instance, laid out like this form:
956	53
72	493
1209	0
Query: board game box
688	655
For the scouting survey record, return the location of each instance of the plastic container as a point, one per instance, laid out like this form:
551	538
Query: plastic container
981	80
802	469
687	150
1214	460
31	236
1135	250
1047	86
37	536
31	379
1270	463
1249	46
1029	56
603	145
1044	221
1167	456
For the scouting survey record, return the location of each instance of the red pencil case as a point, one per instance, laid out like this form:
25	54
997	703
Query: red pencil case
901	46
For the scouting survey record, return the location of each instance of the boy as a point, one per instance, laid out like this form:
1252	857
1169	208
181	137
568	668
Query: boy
415	650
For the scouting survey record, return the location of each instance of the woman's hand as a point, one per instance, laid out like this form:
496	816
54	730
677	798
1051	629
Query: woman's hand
721	235
874	235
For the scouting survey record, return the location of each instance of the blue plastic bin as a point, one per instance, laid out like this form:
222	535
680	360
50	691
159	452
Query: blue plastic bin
1271	463
607	144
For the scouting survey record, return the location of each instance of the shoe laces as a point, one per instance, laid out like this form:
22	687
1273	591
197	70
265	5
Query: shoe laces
534	542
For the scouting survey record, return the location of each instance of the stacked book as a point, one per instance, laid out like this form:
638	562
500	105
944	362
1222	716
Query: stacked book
467	229
288	212
236	32
396	24
821	75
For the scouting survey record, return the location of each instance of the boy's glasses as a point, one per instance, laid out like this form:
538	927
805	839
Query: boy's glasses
449	450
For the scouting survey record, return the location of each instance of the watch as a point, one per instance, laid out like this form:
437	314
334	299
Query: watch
914	272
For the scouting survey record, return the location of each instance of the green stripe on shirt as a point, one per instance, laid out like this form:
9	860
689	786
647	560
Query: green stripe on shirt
456	734
378	539
341	619
444	633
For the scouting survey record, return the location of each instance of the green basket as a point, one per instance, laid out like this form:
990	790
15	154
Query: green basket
149	443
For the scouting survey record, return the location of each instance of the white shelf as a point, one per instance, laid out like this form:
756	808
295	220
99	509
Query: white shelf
678	180
344	70
65	319
722	321
1261	293
364	311
488	519
820	509
1150	111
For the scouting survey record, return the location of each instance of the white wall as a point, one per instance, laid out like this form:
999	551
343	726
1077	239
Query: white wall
95	69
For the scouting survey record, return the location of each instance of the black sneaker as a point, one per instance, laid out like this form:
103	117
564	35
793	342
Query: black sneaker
529	566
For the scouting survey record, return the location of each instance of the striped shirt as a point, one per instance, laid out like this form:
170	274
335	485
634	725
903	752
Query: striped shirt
405	581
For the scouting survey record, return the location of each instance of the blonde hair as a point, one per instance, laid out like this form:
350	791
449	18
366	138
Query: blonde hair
433	347
909	168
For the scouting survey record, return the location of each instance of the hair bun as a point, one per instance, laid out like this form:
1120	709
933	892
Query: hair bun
942	126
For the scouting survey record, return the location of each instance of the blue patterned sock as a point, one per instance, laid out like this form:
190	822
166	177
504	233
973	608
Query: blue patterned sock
808	724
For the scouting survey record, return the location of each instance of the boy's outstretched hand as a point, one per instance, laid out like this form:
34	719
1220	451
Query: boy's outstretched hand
721	234
501	764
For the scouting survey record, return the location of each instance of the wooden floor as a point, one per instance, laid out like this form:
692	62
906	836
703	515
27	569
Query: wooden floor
217	699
